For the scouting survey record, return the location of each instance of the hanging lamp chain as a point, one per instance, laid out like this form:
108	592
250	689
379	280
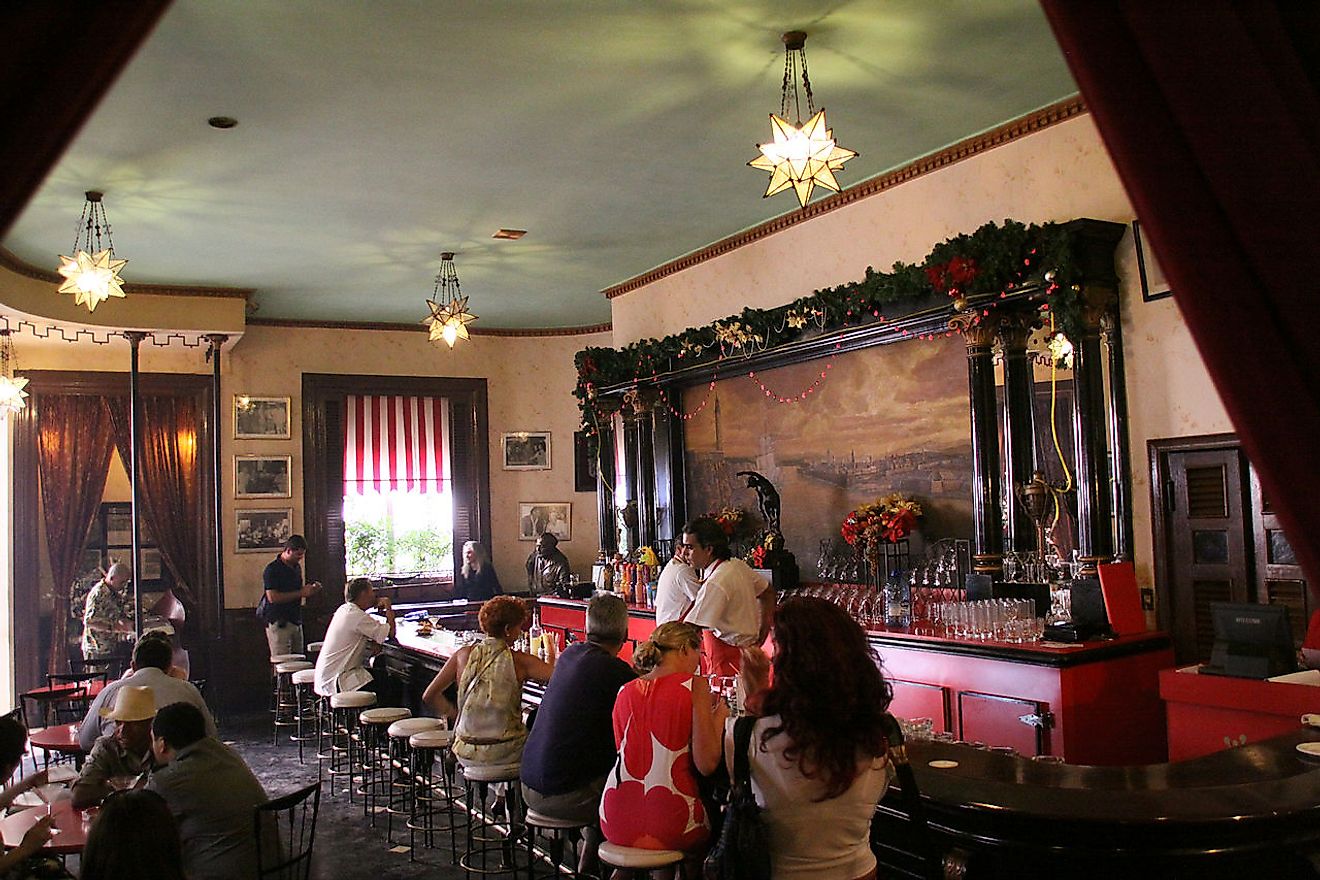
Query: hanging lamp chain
94	225
795	55
447	288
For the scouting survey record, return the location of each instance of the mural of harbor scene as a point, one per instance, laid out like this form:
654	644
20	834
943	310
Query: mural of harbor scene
887	419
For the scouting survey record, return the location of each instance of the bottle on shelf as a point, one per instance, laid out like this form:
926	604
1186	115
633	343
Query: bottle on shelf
898	601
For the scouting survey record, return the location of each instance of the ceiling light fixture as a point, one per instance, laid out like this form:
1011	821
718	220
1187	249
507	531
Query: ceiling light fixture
12	396
92	273
802	155
449	315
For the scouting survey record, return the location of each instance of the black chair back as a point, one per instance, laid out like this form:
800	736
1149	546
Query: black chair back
72	707
285	829
110	667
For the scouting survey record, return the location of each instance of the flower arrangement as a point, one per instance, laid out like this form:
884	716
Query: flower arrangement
735	522
646	556
756	559
884	521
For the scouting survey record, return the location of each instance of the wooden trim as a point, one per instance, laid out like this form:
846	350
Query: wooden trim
19	266
1011	131
419	328
1157	452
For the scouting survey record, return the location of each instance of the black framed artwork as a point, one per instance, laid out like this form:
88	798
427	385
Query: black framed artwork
1153	284
584	464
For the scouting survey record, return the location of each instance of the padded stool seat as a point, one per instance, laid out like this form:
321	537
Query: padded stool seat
491	772
541	820
384	715
406	727
305	676
292	666
431	739
642	859
276	659
352	700
314	647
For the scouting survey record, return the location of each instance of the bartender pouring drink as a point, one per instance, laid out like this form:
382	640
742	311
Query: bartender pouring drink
735	605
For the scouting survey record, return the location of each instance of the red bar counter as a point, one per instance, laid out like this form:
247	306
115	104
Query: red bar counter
1209	713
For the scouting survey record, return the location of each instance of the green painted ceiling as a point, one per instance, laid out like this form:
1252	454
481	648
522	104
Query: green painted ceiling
373	136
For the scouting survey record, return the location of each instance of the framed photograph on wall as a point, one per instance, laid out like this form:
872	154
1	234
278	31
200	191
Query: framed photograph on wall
150	569
526	450
262	531
535	517
262	476
1153	284
584	464
257	418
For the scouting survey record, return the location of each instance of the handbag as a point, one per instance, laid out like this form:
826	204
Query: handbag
742	851
922	840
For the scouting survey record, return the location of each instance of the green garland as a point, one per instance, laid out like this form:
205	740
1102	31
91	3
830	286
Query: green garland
994	260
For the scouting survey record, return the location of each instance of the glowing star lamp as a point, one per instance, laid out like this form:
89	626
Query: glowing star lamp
805	155
12	396
92	273
449	315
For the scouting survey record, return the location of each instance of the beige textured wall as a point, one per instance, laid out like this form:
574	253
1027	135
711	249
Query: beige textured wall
1058	174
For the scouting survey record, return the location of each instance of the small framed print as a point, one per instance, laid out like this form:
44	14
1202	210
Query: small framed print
1153	284
526	451
262	476
538	517
262	531
257	418
584	464
149	570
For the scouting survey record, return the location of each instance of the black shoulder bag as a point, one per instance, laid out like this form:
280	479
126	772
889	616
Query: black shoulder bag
897	753
742	851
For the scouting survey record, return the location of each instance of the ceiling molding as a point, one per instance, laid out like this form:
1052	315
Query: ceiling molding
419	328
15	264
1010	131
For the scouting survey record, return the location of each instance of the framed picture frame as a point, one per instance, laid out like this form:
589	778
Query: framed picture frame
535	517
526	450
1153	283
149	569
261	418
263	476
262	531
584	464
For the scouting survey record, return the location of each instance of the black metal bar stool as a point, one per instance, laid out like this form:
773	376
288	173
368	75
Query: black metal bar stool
309	708
556	834
484	836
433	796
276	660
398	798
634	859
344	710
374	756
287	704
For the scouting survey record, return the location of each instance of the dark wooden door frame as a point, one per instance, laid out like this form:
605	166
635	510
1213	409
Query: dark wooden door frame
318	388
27	522
1157	452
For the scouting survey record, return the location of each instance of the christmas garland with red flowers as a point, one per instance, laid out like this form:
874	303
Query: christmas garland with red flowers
995	259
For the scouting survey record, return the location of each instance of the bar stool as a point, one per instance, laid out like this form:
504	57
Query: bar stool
286	698
557	832
483	835
635	859
276	660
344	710
309	707
314	648
432	798
398	801
374	757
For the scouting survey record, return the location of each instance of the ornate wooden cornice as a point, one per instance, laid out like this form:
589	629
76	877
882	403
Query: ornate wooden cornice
978	332
1029	124
420	328
12	262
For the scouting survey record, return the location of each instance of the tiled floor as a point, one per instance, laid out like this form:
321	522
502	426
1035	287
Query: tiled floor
347	848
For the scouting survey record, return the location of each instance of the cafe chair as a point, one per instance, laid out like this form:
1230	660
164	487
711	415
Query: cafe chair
285	830
111	667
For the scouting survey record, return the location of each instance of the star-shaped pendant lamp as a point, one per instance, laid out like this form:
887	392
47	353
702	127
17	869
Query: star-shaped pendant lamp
803	155
13	397
449	315
92	273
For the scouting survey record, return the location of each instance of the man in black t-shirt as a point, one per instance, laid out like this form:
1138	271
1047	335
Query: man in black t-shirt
570	750
281	606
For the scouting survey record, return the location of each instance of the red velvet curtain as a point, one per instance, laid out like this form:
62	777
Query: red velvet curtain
168	481
1211	114
73	458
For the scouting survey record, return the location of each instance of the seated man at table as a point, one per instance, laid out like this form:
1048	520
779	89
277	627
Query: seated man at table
119	758
570	749
341	665
152	658
13	744
210	790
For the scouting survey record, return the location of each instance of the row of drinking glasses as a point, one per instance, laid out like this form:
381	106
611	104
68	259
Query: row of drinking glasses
1004	620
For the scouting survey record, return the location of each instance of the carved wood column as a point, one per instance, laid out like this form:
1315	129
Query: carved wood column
607	516
988	526
1095	535
1111	333
1019	424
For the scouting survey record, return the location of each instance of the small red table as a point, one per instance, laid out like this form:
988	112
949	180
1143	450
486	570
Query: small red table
72	836
62	738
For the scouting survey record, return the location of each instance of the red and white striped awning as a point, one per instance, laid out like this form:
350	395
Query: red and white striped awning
396	444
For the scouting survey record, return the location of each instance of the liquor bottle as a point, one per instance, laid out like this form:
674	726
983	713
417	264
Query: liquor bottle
898	602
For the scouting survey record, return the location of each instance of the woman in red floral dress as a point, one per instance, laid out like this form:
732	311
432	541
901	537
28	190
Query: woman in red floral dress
668	728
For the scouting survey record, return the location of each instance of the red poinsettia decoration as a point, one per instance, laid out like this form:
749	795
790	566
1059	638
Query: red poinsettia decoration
884	521
951	276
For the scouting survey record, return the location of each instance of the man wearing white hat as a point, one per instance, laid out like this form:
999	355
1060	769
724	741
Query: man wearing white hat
119	759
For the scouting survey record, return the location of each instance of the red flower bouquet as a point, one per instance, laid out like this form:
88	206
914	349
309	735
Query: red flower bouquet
884	521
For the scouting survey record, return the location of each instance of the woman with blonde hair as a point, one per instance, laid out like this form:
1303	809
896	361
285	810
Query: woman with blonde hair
477	580
667	726
489	729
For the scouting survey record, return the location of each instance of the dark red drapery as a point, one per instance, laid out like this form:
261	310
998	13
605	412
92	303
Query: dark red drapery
1211	114
73	457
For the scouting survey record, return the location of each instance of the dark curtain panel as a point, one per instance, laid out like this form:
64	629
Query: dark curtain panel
168	481
1211	114
73	455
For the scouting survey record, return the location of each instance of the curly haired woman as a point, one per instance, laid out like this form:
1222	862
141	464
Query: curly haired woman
818	750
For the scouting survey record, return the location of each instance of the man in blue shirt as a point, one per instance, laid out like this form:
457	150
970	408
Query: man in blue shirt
281	607
570	750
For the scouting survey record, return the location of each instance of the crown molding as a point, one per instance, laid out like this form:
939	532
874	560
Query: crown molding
11	261
1010	131
418	328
